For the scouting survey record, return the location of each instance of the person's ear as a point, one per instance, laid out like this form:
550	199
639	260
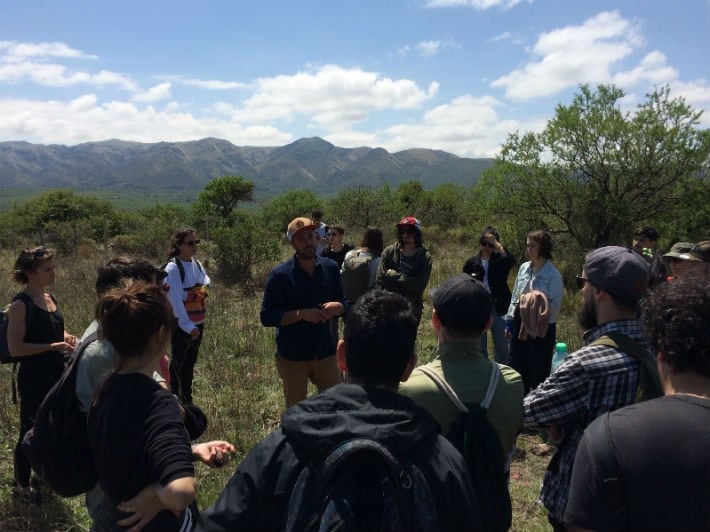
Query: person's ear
488	323
340	356
409	368
435	321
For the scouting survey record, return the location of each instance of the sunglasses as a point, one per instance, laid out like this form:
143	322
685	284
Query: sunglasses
405	230
581	281
485	244
192	242
36	253
331	234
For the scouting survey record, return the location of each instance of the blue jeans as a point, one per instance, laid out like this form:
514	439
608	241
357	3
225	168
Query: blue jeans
500	342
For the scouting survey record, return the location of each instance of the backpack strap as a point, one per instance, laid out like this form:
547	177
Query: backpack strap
451	394
181	268
29	310
81	347
601	449
649	380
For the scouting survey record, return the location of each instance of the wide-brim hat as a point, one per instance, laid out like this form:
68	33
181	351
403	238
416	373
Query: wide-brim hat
678	249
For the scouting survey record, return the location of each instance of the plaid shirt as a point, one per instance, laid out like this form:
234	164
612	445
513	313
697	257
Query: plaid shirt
589	382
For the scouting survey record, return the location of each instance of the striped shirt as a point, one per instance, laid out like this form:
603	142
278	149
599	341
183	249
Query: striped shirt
589	382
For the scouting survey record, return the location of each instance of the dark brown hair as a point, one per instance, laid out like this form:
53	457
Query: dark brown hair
131	315
373	240
544	239
29	260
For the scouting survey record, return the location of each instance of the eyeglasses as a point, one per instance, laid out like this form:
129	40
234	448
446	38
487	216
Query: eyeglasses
192	242
331	234
581	281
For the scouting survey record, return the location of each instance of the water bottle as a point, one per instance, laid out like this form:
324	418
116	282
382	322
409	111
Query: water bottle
560	354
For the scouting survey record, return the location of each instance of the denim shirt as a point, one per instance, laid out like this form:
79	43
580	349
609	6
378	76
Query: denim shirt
289	287
548	281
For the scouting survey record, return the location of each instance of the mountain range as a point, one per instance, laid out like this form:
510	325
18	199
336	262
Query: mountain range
311	163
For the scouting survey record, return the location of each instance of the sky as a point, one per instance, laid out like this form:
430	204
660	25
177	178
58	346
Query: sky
454	75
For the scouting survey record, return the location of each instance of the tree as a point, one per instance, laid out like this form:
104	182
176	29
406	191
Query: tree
279	211
220	197
361	207
597	171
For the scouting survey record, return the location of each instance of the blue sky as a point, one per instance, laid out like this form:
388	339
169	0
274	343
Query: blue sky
456	75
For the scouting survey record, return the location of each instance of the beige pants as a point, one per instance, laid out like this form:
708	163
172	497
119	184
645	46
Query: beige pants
296	374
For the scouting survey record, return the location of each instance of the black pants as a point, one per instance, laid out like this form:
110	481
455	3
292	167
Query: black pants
532	358
182	363
34	380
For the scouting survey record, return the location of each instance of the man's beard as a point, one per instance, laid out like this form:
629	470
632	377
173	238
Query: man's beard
587	316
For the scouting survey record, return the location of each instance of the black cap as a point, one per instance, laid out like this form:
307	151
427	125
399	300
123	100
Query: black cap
462	303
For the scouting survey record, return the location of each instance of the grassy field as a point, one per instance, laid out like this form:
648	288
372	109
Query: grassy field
236	385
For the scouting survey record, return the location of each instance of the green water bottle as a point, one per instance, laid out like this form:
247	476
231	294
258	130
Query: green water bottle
560	354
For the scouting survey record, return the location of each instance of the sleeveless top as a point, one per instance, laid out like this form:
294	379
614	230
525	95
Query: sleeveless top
44	328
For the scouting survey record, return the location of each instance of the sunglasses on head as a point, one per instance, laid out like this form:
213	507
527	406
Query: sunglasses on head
192	242
36	253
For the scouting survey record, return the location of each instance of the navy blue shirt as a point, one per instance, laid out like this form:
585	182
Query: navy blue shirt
290	287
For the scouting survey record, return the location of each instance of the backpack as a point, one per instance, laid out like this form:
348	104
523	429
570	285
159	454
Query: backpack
361	486
181	268
355	275
57	447
478	442
601	449
5	357
649	386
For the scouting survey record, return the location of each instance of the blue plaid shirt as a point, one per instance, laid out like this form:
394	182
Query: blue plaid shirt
589	382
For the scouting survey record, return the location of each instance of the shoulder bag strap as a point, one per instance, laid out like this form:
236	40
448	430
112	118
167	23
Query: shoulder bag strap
492	386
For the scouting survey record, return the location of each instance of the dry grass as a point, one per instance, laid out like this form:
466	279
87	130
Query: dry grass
236	384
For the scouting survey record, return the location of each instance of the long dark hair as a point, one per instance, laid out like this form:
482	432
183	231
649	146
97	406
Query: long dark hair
177	239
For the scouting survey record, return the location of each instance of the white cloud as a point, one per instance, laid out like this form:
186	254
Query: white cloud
85	119
208	84
15	52
330	96
154	94
21	62
475	4
427	48
468	126
573	55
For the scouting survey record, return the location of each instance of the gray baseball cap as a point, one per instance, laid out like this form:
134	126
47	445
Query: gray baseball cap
621	272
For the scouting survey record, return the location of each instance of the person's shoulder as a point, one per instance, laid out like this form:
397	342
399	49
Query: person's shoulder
510	376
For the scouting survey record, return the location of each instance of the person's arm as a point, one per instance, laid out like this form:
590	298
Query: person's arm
386	264
213	453
558	399
175	296
17	329
154	498
555	292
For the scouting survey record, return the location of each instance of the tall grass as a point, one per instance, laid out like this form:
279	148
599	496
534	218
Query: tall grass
236	384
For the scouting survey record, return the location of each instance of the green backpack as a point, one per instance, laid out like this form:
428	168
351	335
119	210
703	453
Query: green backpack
355	275
649	386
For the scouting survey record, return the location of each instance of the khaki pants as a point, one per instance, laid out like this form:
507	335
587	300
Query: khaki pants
296	374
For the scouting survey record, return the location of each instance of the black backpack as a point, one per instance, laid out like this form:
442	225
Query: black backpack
478	442
649	386
360	486
57	447
5	356
181	268
355	275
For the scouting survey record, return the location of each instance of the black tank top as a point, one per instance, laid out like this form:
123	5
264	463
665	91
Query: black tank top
44	327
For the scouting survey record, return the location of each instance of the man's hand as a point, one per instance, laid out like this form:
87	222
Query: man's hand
332	308
143	508
195	333
213	453
313	315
